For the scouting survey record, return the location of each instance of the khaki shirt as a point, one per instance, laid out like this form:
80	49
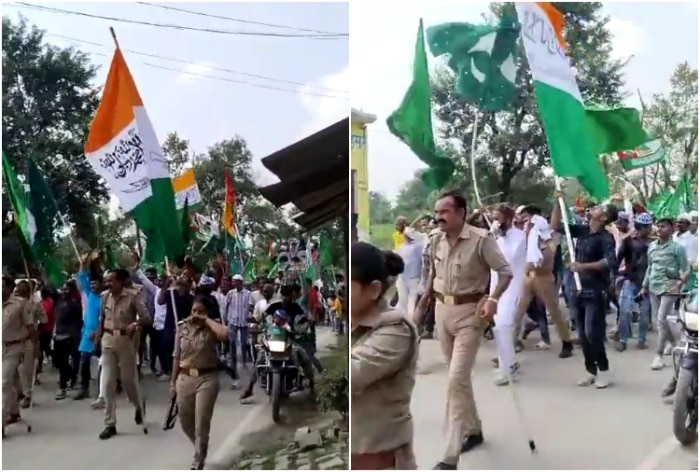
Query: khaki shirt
195	347
383	362
464	269
119	311
17	319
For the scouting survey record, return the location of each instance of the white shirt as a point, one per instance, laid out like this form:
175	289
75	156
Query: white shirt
161	312
412	254
513	246
689	242
259	309
221	300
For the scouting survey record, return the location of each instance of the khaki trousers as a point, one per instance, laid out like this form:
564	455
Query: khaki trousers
27	368
119	361
11	358
459	331
544	288
196	397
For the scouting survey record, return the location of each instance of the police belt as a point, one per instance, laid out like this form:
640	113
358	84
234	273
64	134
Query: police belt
117	332
16	341
190	372
459	299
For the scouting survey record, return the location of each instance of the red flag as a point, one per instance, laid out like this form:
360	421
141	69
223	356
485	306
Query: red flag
229	216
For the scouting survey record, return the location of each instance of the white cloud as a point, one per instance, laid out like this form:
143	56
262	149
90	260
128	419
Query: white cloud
194	71
326	110
628	38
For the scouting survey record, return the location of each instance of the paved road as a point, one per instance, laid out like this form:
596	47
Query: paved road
65	433
624	427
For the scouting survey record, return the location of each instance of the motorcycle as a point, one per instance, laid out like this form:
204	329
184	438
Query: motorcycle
278	374
685	403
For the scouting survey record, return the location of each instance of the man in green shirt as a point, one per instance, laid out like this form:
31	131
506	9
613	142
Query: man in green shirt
666	273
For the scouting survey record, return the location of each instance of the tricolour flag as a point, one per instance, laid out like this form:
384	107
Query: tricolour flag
123	148
186	190
559	98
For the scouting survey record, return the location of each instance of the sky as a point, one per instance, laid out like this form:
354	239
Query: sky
205	110
382	37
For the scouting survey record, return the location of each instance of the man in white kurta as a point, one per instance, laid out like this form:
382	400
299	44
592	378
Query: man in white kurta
513	244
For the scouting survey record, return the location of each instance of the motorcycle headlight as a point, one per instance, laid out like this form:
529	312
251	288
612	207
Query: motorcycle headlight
276	346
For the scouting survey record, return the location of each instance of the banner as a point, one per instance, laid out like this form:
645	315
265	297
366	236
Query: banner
186	189
647	154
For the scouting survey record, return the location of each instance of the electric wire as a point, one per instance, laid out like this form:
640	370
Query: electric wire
182	61
30	6
240	20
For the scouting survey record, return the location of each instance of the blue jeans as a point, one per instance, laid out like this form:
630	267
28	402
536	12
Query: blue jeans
628	292
588	310
234	342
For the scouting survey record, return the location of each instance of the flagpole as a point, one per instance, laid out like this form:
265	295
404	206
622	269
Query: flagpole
473	166
172	292
114	37
567	230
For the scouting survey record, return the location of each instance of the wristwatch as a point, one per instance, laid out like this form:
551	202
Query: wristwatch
493	299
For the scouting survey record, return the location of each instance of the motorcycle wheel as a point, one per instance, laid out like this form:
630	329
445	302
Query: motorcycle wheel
685	433
276	396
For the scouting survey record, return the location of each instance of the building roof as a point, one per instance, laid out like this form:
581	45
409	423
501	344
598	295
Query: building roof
360	116
313	176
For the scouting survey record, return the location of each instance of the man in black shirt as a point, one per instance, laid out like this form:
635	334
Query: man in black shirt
632	260
595	261
69	325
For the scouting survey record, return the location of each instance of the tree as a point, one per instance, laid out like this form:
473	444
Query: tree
673	117
511	148
380	210
48	102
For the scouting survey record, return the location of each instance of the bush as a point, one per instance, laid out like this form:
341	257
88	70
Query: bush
332	386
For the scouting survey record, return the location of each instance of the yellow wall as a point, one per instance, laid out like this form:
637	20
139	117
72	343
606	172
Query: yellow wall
358	162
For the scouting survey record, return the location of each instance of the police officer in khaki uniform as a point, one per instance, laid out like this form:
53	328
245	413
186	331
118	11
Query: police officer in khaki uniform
383	362
461	258
122	311
17	327
27	370
195	377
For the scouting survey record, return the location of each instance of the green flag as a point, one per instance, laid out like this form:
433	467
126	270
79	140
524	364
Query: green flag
483	59
642	156
43	222
681	201
616	129
412	121
15	192
324	253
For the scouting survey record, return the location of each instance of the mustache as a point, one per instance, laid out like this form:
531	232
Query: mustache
440	220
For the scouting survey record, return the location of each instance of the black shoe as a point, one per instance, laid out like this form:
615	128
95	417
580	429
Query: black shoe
82	395
621	347
108	432
470	441
567	350
138	416
445	466
120	388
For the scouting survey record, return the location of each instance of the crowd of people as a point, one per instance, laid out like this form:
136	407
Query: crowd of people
185	325
502	272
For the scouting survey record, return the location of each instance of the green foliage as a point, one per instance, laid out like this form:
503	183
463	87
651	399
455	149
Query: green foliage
47	105
332	386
